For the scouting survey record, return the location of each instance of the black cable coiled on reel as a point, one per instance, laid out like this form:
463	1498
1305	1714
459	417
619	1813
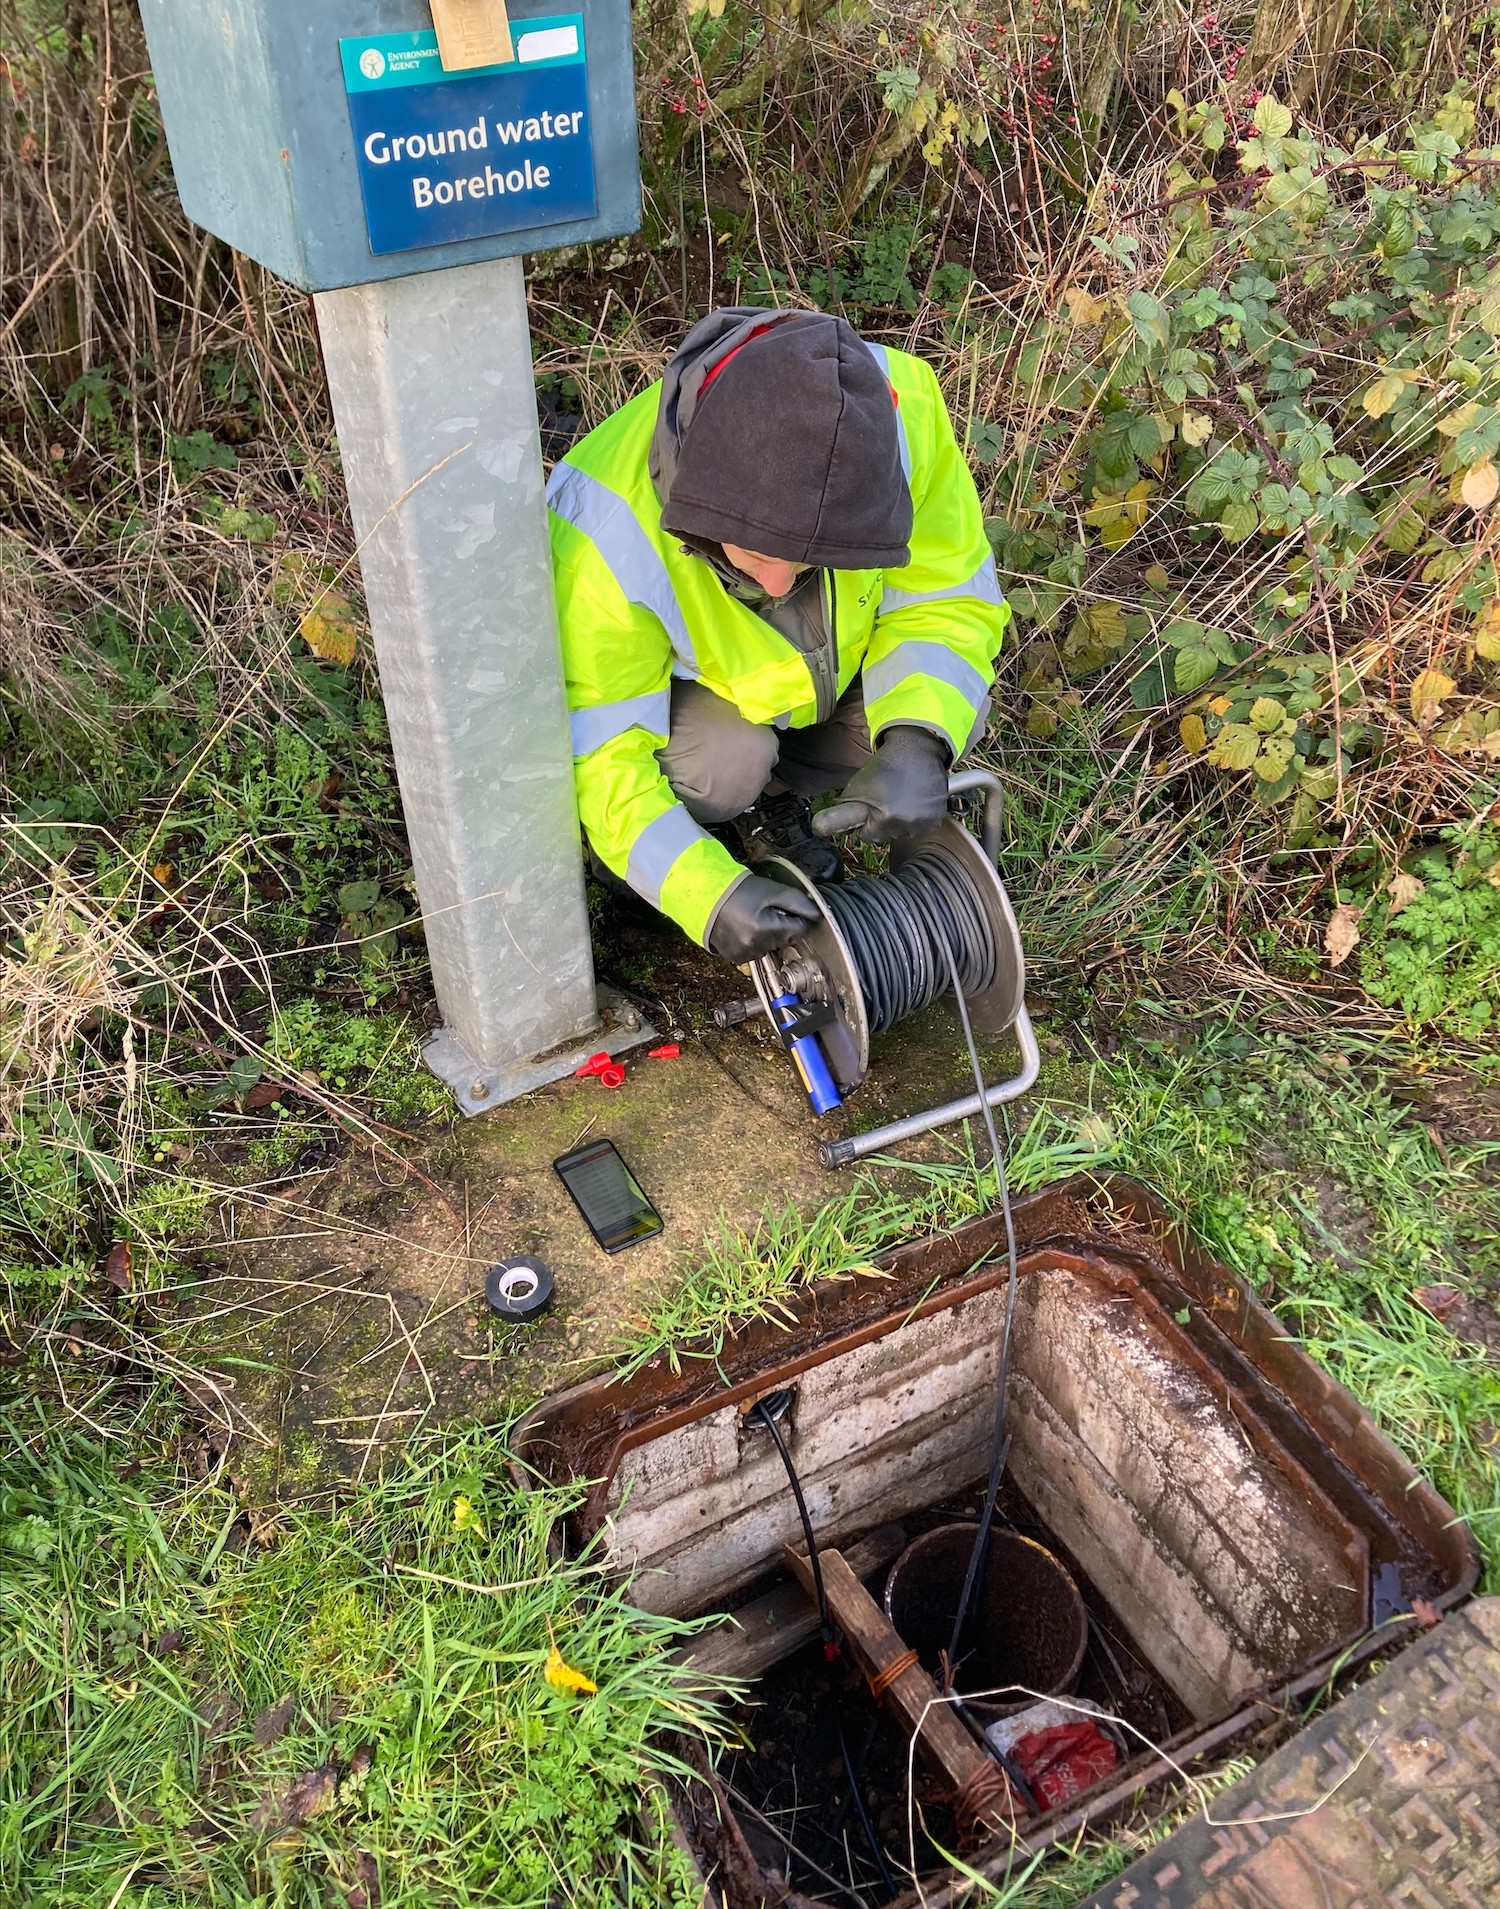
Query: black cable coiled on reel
896	926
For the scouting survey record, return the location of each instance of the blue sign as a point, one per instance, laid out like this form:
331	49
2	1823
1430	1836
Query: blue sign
446	156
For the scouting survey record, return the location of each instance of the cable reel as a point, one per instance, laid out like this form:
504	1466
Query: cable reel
877	955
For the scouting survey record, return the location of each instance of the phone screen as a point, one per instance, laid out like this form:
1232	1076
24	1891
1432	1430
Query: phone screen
608	1195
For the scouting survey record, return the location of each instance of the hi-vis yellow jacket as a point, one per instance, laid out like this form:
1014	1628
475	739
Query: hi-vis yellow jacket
636	609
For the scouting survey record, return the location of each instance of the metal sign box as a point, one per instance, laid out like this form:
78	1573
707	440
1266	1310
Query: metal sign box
327	142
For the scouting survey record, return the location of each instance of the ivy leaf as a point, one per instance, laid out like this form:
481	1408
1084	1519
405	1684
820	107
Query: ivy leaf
1144	437
1235	747
1239	521
244	1072
1481	485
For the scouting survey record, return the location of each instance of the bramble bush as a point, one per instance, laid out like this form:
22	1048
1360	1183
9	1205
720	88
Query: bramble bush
1262	475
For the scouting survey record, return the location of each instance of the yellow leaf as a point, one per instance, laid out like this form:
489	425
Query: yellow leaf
328	630
1403	889
1341	936
1106	623
1428	691
1235	747
1194	735
562	1676
1383	395
1197	427
1156	576
163	873
1487	636
465	1517
1458	420
1481	484
1083	307
1220	705
1266	714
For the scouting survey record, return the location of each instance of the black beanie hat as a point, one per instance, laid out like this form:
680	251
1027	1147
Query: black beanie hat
792	450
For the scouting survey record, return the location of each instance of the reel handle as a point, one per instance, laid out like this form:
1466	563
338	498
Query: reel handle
988	784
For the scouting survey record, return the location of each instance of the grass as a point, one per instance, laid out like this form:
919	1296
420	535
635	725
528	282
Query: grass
353	1698
750	1273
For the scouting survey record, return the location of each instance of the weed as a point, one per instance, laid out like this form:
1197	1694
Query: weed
271	1720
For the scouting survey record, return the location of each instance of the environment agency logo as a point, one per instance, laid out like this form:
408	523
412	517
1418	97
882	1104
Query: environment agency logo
372	63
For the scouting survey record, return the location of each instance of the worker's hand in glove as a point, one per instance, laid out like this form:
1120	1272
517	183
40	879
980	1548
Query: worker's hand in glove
901	793
758	916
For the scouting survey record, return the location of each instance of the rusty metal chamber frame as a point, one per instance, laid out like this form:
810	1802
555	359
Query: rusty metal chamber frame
1124	1233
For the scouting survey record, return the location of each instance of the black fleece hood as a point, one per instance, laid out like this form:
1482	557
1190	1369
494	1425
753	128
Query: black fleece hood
793	449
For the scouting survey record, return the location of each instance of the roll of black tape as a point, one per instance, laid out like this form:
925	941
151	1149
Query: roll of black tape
519	1288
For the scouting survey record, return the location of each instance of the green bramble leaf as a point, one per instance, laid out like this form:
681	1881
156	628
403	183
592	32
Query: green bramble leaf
1192	667
1239	521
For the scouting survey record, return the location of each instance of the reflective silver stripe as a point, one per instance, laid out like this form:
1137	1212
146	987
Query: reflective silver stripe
983	585
657	850
882	358
632	559
924	659
594	727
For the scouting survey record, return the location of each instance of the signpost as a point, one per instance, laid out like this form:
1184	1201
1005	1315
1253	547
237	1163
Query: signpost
329	141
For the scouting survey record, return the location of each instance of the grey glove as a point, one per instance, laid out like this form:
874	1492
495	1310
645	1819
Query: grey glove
901	792
757	916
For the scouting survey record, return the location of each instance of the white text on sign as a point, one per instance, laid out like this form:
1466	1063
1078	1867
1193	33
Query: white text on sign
382	150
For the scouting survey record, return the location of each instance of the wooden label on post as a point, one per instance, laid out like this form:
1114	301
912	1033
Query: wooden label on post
472	33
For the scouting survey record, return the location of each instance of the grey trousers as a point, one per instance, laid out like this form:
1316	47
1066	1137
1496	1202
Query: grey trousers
720	763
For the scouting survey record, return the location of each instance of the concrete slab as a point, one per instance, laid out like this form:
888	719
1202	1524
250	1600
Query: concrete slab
1390	1798
346	1311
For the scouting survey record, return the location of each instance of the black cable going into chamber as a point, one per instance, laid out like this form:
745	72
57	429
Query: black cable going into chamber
825	1623
974	1577
758	1410
912	934
908	931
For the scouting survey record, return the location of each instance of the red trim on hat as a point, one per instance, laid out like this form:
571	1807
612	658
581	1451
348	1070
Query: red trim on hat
760	332
729	357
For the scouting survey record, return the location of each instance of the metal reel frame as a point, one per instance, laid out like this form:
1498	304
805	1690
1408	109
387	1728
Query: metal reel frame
822	966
